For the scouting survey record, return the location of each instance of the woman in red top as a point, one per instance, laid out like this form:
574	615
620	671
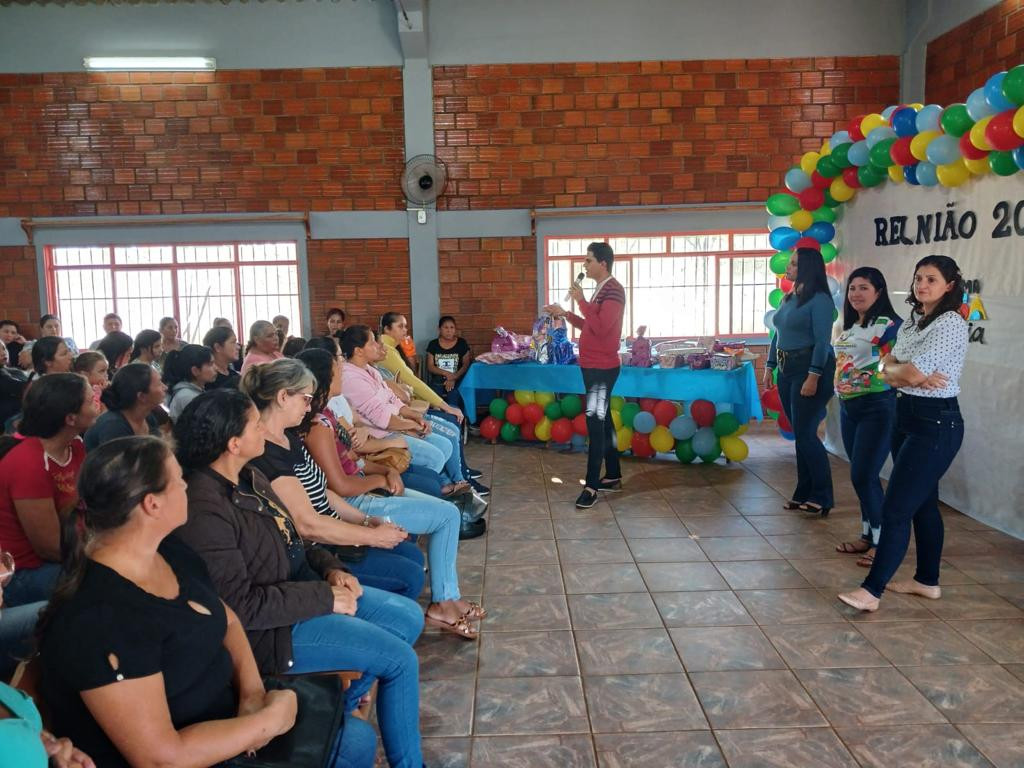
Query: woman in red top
38	477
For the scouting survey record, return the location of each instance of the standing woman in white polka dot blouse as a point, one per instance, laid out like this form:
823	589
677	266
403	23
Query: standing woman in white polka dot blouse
924	366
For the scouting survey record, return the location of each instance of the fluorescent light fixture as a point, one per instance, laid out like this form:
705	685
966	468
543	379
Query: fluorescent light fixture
149	63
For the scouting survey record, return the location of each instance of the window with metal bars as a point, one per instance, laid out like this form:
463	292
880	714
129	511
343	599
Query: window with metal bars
677	284
243	282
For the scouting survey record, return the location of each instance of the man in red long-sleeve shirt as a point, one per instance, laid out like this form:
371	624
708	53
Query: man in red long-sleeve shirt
599	360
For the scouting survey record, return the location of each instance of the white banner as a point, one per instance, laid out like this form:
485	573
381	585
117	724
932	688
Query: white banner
981	225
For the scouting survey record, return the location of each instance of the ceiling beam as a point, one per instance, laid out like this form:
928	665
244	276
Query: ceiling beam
412	27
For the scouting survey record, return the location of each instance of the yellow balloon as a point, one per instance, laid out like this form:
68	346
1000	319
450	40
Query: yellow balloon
543	398
809	162
734	449
1018	122
840	190
617	419
525	396
662	440
543	430
870	122
917	105
624	439
920	143
801	220
679	409
826	148
741	431
978	167
953	174
896	173
978	134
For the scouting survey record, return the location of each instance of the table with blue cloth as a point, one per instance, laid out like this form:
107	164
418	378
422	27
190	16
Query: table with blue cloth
737	387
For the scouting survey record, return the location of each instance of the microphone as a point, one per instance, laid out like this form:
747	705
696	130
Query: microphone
577	283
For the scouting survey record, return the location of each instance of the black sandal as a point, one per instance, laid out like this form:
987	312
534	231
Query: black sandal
792	505
815	509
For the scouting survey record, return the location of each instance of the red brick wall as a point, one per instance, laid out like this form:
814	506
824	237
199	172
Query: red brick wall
364	277
642	133
19	288
966	56
486	282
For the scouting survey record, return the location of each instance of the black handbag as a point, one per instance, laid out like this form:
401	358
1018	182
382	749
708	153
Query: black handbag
311	740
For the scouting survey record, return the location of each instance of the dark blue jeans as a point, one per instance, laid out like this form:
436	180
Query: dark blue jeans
423	479
30	585
866	423
927	437
598	383
398	570
813	472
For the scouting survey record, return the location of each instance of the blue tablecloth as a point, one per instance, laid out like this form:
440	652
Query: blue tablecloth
737	387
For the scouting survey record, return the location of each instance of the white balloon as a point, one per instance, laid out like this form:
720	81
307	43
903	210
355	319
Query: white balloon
774	222
833	285
769	318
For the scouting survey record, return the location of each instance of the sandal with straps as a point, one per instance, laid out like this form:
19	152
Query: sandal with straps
476	611
854	548
460	627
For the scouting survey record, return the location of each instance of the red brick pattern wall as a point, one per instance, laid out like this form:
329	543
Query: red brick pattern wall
966	56
19	288
364	277
486	282
80	144
642	133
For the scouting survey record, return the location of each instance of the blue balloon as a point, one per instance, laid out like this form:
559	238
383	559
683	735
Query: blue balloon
644	423
859	153
943	150
994	93
796	180
822	231
887	112
978	106
1018	157
704	441
927	176
910	174
783	238
788	435
578	441
682	427
838	138
928	118
881	133
904	121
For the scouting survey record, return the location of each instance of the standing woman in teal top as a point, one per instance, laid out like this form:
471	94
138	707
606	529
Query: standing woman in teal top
802	351
867	404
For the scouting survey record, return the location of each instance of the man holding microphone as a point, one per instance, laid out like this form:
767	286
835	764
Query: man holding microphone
601	326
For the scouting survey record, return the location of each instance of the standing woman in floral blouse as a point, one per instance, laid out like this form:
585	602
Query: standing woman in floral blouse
925	367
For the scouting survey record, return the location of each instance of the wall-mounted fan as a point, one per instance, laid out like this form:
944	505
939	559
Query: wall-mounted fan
423	182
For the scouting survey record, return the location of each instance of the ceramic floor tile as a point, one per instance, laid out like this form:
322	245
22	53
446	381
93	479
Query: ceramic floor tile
613	611
523	580
810	646
527	654
652	528
524	612
594	551
868	697
633	703
626	652
602	578
529	705
719	525
1002	746
788	606
719	649
568	528
920	746
682	577
701	609
520	529
1002	639
443	655
796	747
972	694
446	707
797	545
441	752
761	574
972	602
755	699
512	552
533	752
672	550
738	548
679	749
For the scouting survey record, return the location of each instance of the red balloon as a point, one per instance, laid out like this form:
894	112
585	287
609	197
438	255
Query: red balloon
514	414
808	242
900	151
533	413
510	397
490	428
854	128
561	430
851	178
770	399
641	446
812	198
1000	133
784	423
968	150
786	285
526	432
664	413
819	182
579	424
648	403
703	412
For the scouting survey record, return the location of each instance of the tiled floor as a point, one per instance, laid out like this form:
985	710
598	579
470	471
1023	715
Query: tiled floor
690	621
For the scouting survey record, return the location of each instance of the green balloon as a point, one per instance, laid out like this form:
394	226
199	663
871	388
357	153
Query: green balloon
572	406
1013	85
498	407
828	252
839	156
955	121
553	410
835	314
709	458
781	204
509	432
775	297
1002	163
828	168
779	262
879	155
869	176
824	214
725	424
830	201
628	413
684	452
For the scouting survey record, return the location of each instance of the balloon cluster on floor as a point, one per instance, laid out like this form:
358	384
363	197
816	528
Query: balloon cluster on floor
644	427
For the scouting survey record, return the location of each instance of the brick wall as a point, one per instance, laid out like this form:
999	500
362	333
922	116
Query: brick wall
19	288
642	133
966	56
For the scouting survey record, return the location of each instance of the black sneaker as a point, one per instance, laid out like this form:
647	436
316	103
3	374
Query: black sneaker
474	474
480	488
586	499
612	486
472	530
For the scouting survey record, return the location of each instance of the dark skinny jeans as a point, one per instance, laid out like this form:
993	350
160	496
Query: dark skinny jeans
598	383
866	423
813	472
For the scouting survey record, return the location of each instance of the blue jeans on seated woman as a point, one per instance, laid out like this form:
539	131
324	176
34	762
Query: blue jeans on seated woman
355	746
30	585
439	519
17	630
424	480
377	641
429	452
398	570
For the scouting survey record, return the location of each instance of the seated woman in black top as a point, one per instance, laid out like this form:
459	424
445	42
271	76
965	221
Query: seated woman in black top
142	664
448	359
223	343
134	392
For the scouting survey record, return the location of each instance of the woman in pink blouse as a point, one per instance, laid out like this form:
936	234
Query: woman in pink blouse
264	345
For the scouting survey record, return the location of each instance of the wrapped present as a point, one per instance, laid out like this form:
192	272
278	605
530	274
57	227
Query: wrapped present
562	350
723	361
540	341
641	354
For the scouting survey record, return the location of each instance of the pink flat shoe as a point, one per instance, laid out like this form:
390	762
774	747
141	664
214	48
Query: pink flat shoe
911	587
860	599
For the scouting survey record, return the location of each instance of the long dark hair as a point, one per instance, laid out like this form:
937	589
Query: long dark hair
113	346
204	428
321	363
330	344
386	321
180	362
145	340
354	337
43	352
128	383
115	477
950	302
882	306
810	276
219	334
47	404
